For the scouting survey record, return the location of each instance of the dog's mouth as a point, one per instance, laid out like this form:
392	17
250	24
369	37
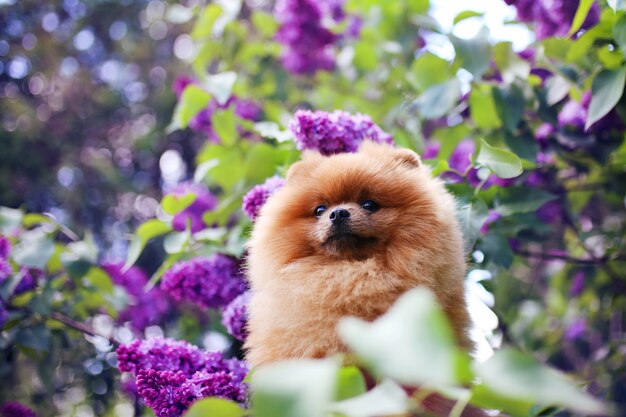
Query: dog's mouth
346	241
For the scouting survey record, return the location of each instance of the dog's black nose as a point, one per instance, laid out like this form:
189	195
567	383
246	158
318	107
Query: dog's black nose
339	215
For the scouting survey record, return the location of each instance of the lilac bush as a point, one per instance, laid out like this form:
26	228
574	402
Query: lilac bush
16	409
204	201
235	316
254	199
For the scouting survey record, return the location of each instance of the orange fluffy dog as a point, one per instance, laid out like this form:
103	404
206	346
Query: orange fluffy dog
346	236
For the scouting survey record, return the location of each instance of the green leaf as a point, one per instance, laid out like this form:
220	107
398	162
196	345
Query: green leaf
227	167
34	249
472	217
523	145
610	58
350	383
262	161
514	375
503	163
619	33
33	219
387	398
191	102
510	105
148	230
206	19
607	88
176	242
428	70
215	407
220	85
509	63
558	87
37	337
497	249
473	54
438	100
10	219
265	23
511	200
418	6
365	55
466	15
581	15
273	131
224	124
412	343
483	108
174	204
295	388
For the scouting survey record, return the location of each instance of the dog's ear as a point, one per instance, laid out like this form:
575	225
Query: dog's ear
304	166
408	157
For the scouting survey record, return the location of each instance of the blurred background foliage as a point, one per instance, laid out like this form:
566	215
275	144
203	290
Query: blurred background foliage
139	126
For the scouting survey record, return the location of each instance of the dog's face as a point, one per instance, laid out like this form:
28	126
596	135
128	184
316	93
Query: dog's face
350	206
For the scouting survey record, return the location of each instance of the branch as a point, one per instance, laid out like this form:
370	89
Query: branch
578	261
81	327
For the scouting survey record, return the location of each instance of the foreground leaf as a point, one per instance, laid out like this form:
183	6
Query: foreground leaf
606	90
387	398
411	343
215	407
503	163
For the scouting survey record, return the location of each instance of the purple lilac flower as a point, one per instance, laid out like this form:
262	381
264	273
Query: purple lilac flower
431	150
550	212
5	266
170	394
205	201
208	282
459	161
16	409
4	314
573	114
335	132
146	308
307	44
578	284
235	316
29	281
5	247
258	195
576	330
492	217
245	109
180	83
171	375
552	17
544	132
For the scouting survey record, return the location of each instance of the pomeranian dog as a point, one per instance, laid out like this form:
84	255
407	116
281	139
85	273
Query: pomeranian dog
346	236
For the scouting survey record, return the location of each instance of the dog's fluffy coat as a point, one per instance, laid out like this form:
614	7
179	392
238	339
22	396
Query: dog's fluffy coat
305	274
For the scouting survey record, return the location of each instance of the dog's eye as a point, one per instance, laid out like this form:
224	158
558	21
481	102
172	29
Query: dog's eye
319	210
369	205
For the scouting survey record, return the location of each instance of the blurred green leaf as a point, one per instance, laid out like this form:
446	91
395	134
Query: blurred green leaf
37	337
511	200
412	343
302	388
483	108
581	15
176	242
466	14
523	145
350	383
146	231
473	54
610	58
273	131
225	126
365	55
418	6
265	23
510	105
503	163
512	374
220	85
206	19
34	249
385	399
227	169
439	99
509	63
607	88
10	219
174	204
215	407
428	70
619	33
558	88
497	249
472	217
191	102
33	219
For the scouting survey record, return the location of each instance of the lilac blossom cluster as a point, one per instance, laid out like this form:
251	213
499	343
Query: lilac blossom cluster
339	131
307	43
245	109
235	316
146	308
258	195
192	215
552	17
15	409
208	282
171	375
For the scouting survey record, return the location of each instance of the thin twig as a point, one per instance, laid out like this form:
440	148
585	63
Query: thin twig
579	261
81	327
